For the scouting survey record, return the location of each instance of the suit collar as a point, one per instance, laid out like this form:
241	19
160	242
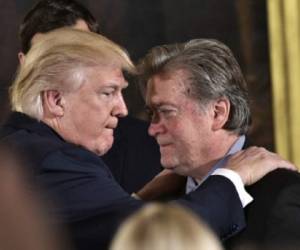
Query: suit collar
18	120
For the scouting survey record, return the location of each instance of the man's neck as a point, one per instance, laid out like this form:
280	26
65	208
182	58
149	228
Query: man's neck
220	150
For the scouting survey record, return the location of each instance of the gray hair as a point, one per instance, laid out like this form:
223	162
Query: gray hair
212	73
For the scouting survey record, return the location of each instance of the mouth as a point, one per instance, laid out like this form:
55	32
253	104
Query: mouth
112	125
163	142
110	130
165	145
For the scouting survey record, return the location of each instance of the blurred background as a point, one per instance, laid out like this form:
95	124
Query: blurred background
138	25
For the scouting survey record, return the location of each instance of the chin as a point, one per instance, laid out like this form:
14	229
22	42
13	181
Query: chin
169	161
103	150
168	165
181	171
103	147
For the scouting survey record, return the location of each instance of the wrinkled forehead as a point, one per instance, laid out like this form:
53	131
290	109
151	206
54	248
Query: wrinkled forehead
174	80
164	85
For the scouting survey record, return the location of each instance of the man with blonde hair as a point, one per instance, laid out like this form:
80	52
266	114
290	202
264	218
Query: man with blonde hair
67	97
132	147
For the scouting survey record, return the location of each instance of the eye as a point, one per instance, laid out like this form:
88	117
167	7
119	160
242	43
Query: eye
107	94
163	112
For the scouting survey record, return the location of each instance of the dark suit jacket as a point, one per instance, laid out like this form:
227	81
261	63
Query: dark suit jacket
89	200
273	218
134	158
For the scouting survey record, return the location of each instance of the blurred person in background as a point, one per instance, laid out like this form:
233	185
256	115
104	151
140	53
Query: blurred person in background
163	227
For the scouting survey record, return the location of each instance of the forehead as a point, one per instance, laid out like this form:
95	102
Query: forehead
166	86
104	75
81	25
93	78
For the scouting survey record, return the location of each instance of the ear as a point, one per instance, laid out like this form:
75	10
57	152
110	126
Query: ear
21	57
53	102
221	109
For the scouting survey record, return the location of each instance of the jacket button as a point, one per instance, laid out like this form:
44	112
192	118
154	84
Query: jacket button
234	227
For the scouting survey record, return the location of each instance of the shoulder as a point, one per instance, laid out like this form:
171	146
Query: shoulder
273	216
74	158
270	189
275	182
41	151
276	197
282	226
283	186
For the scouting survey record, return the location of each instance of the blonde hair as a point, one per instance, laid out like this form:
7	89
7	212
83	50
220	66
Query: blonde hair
163	227
54	63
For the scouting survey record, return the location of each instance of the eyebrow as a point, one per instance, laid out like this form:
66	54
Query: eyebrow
158	104
123	85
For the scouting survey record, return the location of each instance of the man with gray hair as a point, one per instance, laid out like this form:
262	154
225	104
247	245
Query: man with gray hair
199	105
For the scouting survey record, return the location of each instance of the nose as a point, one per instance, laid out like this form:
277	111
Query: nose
120	109
155	128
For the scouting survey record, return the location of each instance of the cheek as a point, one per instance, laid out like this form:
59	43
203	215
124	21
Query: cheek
89	124
96	116
97	125
180	130
185	136
104	142
174	128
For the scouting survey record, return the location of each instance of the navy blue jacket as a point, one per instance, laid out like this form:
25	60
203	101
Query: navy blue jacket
89	200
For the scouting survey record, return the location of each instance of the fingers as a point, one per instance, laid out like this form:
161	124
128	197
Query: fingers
287	165
255	162
275	160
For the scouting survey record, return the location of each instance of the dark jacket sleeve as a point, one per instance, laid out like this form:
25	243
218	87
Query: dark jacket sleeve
89	200
217	201
93	204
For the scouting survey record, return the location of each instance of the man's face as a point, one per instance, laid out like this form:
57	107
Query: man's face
181	127
91	112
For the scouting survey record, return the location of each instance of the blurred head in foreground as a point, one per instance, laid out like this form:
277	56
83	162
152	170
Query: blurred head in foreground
162	227
23	215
